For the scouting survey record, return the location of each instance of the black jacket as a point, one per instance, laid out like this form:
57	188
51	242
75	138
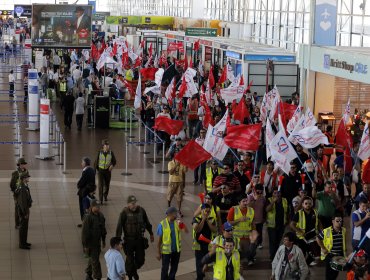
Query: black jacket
87	178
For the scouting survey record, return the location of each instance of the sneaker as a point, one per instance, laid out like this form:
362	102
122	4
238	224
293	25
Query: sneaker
313	263
251	262
260	246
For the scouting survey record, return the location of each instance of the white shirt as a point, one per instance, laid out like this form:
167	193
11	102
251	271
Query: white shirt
115	264
80	106
76	74
79	20
11	78
56	60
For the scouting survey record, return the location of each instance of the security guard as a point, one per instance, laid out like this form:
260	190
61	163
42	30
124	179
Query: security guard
93	239
133	221
332	241
14	183
23	203
277	218
227	262
104	164
62	90
241	217
211	173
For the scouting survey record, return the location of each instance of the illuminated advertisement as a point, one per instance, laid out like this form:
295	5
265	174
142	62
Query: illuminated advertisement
61	26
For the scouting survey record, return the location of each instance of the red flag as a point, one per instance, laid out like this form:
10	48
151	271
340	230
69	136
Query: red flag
114	51
185	63
241	111
192	155
211	78
342	138
245	137
249	86
150	49
348	165
148	73
103	46
366	173
138	62
207	116
180	107
241	82
233	105
191	62
196	46
128	86
183	88
142	44
286	111
172	127
223	77
125	59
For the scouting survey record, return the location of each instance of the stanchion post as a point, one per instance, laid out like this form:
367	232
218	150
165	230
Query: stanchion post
155	150
20	149
163	171
64	157
61	143
126	173
130	125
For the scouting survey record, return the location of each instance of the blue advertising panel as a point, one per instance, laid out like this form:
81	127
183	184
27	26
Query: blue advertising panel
325	29
93	4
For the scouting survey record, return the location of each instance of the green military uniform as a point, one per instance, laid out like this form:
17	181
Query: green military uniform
133	224
93	235
14	183
23	204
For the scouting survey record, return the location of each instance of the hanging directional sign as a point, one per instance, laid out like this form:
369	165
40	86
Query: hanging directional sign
205	32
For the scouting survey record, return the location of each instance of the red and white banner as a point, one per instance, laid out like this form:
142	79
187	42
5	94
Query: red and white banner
231	93
310	118
269	136
295	118
364	150
173	46
310	137
282	152
214	144
299	126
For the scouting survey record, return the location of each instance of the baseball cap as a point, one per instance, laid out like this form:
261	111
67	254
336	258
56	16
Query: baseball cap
171	210
21	161
227	226
131	198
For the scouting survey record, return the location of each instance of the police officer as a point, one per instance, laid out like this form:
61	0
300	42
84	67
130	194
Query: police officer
14	183
104	164
133	221
23	203
93	239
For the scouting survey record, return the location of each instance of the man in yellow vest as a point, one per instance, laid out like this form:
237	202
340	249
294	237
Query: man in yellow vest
104	164
241	217
332	241
203	225
305	224
227	262
62	85
169	243
211	173
277	217
219	241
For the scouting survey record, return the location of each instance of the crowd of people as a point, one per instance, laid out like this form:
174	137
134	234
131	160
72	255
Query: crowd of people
302	210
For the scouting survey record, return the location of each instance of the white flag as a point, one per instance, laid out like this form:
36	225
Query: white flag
282	152
220	127
264	110
231	93
137	102
155	62
299	126
201	69
230	72
270	96
347	112
274	105
364	150
310	137
169	89
269	136
295	118
310	118
215	145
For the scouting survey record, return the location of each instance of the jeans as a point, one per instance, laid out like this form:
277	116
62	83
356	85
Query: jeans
202	176
192	128
167	260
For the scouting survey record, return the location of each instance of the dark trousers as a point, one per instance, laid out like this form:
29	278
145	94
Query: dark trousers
23	230
135	255
167	260
275	236
192	128
11	88
330	274
305	249
104	181
16	216
199	254
259	228
82	214
79	120
68	118
202	176
93	266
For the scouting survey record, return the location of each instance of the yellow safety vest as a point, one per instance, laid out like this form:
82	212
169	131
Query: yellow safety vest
196	245
328	240
166	237
302	222
63	86
270	221
219	240
219	269
213	213
105	161
242	229
209	177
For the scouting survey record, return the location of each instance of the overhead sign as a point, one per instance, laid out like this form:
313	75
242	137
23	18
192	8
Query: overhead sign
61	26
264	57
325	30
23	11
204	32
234	55
6	12
357	67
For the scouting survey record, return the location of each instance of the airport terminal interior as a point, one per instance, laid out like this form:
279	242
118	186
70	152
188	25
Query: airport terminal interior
152	74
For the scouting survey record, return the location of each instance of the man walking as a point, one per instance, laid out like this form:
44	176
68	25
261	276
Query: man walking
114	260
176	182
87	179
15	182
93	239
24	203
68	105
133	221
169	243
104	164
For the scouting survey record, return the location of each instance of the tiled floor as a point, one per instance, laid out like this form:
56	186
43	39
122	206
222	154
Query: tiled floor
56	247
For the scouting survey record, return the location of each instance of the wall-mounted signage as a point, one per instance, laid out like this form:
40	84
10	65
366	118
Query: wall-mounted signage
234	55
263	57
357	67
23	11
